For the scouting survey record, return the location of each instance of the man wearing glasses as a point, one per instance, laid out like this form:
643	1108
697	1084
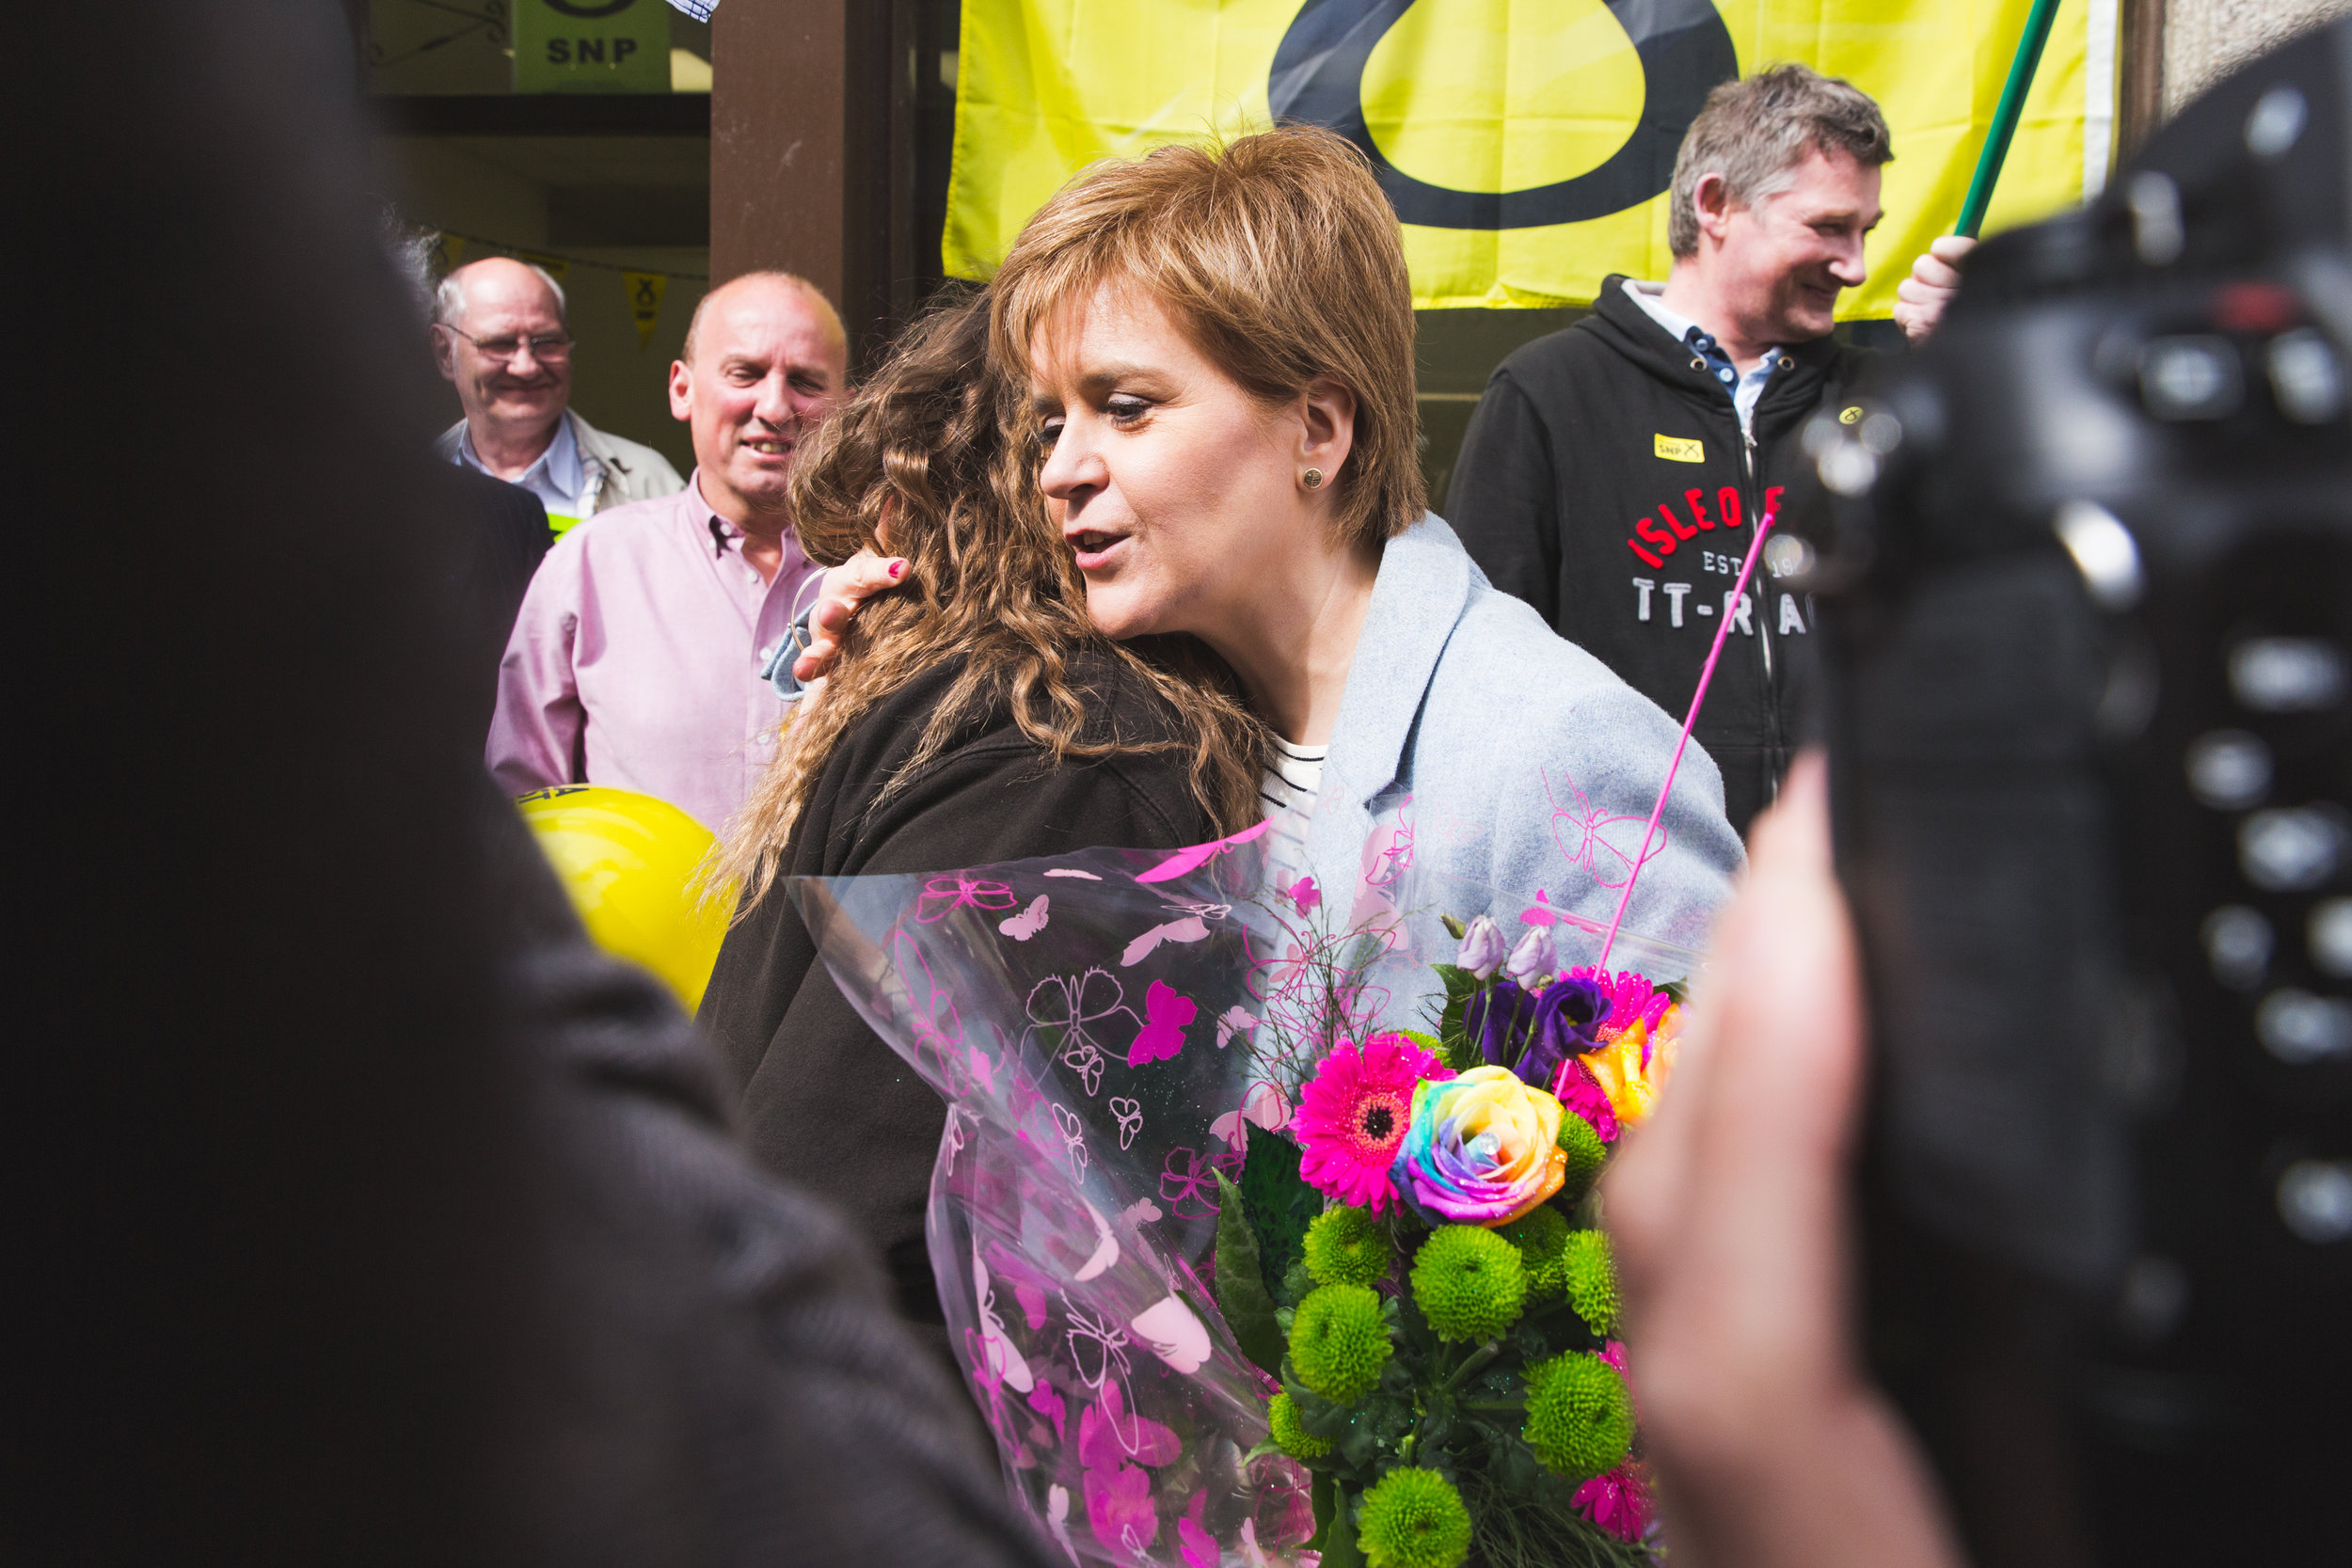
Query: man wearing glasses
498	337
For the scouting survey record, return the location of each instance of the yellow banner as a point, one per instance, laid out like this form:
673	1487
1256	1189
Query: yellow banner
1526	143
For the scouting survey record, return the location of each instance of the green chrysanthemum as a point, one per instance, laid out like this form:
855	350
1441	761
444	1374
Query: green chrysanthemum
1585	1152
1592	1281
1347	1246
1413	1518
1541	1238
1339	1341
1281	1414
1469	1282
1580	1419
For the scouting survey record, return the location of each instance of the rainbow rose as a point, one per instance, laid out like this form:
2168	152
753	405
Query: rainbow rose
1481	1148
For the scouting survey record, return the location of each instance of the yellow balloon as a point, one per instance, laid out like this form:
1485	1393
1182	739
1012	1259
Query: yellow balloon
629	861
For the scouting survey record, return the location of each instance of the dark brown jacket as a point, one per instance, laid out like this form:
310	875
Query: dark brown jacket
826	1104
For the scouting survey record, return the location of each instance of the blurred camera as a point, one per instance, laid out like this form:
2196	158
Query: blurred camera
2083	570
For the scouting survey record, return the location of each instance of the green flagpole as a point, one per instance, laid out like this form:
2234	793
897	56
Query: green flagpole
2021	70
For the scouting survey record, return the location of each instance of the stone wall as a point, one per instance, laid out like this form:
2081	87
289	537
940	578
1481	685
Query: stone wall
2206	39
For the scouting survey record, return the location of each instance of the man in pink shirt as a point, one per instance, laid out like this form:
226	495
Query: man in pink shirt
636	660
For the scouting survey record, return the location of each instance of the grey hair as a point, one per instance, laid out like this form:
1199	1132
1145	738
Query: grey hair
410	251
1755	132
448	300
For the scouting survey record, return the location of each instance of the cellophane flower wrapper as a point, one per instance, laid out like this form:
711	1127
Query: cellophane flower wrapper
1107	1029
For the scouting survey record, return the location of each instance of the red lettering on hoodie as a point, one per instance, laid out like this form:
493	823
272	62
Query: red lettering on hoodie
1696	501
1771	500
1674	523
1648	559
1664	541
1727	502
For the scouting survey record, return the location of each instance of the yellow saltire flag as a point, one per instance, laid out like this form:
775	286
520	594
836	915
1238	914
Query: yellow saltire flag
644	302
1527	143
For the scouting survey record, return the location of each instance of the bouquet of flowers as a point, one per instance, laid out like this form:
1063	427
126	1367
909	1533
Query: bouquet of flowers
1443	1328
1262	1231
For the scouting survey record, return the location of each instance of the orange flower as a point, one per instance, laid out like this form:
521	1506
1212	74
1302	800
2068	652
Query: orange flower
1632	1069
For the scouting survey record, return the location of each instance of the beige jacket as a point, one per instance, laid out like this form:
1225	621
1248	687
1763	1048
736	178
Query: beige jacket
619	470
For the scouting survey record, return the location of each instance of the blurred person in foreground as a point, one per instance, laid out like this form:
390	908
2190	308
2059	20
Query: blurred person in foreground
1731	1220
369	1215
501	340
636	660
1614	473
974	717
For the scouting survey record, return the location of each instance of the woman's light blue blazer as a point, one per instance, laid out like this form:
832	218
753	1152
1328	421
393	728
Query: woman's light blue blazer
1495	761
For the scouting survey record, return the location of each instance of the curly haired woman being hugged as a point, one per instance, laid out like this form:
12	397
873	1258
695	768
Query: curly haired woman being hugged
1217	349
974	716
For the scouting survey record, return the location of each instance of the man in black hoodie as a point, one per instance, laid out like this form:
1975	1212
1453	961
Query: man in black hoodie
1614	472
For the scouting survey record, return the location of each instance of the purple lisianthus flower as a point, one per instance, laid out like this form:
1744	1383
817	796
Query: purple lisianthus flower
1535	959
1567	1020
1497	1018
1482	948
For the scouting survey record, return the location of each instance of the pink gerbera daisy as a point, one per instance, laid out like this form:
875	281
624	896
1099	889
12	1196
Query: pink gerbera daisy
1352	1114
1576	1089
1618	1502
1631	999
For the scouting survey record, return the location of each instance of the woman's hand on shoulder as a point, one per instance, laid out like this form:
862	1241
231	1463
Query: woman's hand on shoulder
845	587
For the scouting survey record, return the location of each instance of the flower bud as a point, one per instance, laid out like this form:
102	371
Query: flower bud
1535	959
1482	948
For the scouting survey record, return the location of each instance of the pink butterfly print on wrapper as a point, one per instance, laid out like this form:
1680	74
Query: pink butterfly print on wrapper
1166	1011
943	895
1199	855
1188	1183
932	1019
1585	833
1303	893
1029	923
1263	1104
1385	863
1196	1544
1187	929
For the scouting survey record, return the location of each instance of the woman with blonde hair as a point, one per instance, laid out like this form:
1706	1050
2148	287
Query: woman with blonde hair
974	716
1216	346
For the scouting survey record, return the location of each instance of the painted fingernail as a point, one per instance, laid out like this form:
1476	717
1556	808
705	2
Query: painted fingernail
898	570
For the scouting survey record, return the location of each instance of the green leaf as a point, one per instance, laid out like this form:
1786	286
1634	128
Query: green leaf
1321	1491
1427	1042
1278	1203
1456	1049
1339	1546
1241	1292
1459	982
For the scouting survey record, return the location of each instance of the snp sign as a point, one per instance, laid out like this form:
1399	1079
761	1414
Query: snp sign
592	46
